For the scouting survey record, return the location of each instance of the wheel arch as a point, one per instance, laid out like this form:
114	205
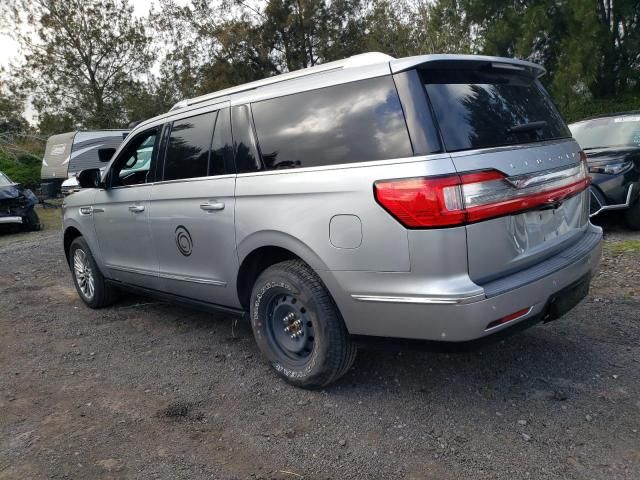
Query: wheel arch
70	234
260	250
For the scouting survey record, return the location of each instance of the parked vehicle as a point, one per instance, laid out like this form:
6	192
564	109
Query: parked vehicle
17	205
71	184
438	197
67	154
612	144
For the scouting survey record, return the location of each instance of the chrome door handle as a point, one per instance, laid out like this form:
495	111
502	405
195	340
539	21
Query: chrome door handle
136	208
209	207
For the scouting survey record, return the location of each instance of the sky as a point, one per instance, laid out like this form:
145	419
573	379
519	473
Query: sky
9	48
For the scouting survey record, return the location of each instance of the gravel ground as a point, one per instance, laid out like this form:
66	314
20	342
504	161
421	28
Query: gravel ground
151	390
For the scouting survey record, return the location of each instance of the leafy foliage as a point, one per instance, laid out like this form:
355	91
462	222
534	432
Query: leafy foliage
23	168
89	64
83	56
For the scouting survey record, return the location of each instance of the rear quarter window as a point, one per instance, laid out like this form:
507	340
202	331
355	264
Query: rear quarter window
353	122
480	109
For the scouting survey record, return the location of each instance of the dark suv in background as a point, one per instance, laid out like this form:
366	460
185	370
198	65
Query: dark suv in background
612	144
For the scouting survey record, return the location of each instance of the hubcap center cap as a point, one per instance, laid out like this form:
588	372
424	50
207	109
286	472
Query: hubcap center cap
290	327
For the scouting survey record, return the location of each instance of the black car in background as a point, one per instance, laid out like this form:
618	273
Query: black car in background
612	145
17	205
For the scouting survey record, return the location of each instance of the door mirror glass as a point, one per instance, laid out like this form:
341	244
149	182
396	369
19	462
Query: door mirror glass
105	154
89	178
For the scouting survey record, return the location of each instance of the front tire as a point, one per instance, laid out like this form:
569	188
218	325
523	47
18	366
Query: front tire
31	221
88	279
632	216
298	327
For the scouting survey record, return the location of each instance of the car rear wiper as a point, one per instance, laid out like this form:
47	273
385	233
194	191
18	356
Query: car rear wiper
527	127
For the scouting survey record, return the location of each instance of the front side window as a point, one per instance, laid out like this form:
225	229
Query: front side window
189	146
133	165
484	108
352	122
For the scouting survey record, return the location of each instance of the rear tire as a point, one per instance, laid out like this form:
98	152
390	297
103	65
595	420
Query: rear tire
632	216
87	278
31	221
298	327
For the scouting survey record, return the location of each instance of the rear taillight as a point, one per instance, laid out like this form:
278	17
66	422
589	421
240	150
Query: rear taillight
452	200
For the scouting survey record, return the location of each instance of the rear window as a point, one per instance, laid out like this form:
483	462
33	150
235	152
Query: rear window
352	122
489	108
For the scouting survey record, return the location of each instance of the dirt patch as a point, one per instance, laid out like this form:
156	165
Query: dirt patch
149	390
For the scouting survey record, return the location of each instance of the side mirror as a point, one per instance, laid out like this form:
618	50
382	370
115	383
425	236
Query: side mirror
105	154
89	178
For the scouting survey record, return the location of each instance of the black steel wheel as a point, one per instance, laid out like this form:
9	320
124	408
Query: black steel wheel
298	327
290	328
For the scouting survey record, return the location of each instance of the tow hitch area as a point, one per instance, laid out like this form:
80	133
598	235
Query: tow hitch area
567	298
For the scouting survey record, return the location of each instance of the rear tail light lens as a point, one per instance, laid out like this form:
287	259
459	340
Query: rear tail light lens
452	200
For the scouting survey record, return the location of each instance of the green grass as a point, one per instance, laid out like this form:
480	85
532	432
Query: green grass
624	246
50	218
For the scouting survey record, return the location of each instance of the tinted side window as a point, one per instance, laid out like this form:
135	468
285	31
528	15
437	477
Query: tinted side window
189	145
243	141
353	122
222	149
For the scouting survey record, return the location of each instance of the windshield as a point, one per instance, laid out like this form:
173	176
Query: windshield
4	180
491	108
621	131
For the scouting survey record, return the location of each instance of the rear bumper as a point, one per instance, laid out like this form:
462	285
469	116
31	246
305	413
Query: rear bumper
369	309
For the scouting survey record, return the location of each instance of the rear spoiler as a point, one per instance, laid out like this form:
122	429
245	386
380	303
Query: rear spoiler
466	61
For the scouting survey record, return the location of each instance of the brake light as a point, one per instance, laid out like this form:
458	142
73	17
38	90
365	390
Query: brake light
453	200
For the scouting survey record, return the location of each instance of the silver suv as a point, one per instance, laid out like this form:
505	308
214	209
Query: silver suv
437	197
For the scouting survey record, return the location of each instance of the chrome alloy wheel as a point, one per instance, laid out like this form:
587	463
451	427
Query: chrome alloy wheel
83	273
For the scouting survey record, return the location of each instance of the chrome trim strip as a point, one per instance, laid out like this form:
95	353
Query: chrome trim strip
619	206
195	179
511	148
187	278
341	166
541	177
10	219
139	271
169	276
420	300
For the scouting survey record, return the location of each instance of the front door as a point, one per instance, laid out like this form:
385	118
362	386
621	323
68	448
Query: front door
192	210
121	214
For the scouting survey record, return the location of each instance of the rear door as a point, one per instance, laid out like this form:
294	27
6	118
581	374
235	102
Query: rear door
192	209
497	120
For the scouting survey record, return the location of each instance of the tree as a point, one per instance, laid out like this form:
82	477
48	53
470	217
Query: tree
589	47
80	58
11	108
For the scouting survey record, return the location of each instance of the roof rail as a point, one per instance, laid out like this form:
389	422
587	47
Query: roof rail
363	59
